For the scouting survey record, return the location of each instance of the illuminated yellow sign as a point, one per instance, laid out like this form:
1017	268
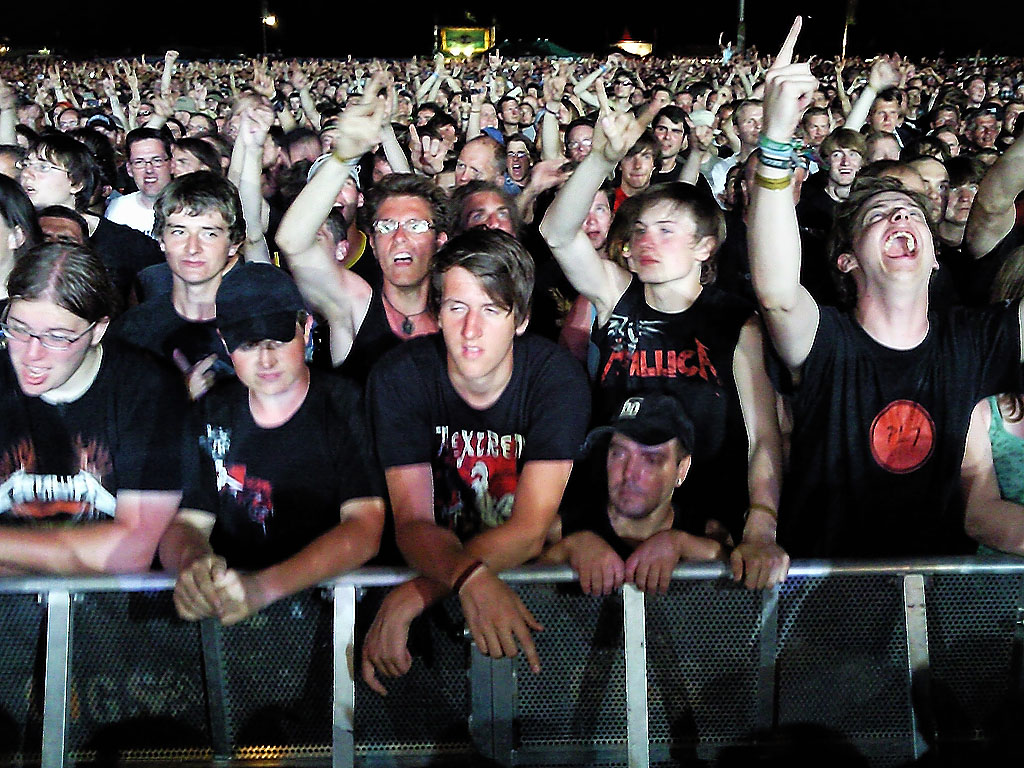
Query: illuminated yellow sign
466	41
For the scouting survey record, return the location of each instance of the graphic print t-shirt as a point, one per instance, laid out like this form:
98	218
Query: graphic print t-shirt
65	463
688	355
275	490
476	455
878	434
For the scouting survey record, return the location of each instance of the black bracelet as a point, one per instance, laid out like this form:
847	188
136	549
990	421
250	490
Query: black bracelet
463	577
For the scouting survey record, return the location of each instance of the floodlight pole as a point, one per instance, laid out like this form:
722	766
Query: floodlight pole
263	26
741	28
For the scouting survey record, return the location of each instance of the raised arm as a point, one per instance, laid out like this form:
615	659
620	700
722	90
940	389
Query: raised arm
168	72
554	87
110	90
582	88
993	213
339	295
393	150
8	113
601	281
252	133
883	75
844	98
773	238
301	83
476	103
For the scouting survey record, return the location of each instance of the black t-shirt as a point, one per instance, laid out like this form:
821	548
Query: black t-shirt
816	210
156	326
154	280
274	491
125	252
688	355
975	278
417	417
878	434
66	462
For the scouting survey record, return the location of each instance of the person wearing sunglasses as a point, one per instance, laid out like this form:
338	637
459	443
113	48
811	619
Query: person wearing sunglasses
405	220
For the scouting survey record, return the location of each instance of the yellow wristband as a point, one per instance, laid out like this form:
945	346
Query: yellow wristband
766	183
345	160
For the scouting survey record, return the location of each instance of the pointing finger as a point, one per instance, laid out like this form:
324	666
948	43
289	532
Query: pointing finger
785	57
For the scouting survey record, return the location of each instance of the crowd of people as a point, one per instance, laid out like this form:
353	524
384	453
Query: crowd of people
268	321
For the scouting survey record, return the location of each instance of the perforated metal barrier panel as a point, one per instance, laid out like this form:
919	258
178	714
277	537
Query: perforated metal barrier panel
425	712
136	688
864	662
21	709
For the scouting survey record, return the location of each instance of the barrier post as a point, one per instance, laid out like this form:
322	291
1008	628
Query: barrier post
918	673
634	623
57	674
210	638
768	642
343	745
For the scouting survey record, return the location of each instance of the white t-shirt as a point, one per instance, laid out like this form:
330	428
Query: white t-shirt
131	211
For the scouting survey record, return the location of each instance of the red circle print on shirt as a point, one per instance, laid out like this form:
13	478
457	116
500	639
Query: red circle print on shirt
902	436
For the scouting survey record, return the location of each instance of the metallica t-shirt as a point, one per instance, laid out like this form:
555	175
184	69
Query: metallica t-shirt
476	455
66	462
688	355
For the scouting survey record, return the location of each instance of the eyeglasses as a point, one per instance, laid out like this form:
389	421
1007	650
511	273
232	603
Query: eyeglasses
58	342
38	166
623	82
517	155
580	144
412	226
156	162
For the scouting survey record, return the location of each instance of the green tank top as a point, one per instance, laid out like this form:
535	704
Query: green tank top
1008	459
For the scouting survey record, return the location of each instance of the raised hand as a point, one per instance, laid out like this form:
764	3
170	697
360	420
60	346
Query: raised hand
884	73
426	153
616	132
262	83
788	90
358	128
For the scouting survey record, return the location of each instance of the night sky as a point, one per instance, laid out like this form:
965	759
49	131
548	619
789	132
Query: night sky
231	27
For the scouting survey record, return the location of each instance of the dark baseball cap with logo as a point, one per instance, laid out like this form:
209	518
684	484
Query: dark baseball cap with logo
257	302
649	420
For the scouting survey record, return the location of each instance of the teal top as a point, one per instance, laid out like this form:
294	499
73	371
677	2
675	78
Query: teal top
1008	458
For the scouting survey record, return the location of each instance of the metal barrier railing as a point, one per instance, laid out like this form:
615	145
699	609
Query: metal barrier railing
878	652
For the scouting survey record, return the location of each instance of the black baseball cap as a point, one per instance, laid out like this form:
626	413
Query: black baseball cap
257	302
650	420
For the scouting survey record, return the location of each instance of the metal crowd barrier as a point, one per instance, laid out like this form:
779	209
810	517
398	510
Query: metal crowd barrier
884	661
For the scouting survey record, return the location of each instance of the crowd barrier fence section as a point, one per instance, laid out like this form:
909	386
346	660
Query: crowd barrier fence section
887	660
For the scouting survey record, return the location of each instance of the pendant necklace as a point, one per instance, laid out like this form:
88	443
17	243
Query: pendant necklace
407	324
